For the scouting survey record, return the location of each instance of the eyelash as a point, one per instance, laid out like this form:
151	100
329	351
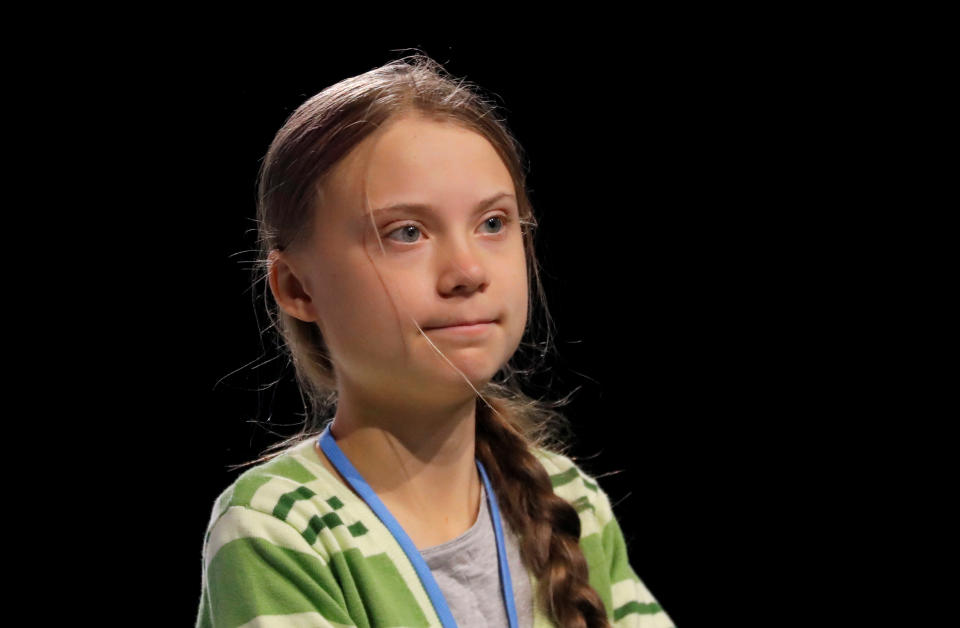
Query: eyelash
505	221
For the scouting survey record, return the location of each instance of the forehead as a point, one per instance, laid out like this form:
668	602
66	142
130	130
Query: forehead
416	160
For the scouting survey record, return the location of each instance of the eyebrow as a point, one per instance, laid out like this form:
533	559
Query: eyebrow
423	207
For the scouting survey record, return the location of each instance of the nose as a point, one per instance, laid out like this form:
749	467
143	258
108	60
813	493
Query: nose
462	268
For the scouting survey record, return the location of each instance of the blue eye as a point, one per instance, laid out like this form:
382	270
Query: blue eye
502	220
404	229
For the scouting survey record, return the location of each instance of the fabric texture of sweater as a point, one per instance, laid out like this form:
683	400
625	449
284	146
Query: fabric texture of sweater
289	545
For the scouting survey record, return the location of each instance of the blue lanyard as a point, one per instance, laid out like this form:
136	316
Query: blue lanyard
350	473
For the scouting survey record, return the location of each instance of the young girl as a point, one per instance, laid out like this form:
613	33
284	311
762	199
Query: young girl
397	239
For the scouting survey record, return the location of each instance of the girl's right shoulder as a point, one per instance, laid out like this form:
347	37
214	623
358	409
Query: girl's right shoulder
294	488
269	546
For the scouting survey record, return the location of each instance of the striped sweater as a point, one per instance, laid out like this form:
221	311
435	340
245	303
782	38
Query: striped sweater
290	545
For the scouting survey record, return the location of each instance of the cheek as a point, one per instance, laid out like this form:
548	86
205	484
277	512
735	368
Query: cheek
517	294
377	303
522	313
355	309
522	284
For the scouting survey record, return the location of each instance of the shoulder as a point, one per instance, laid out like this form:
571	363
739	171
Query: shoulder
289	499
276	529
282	474
604	545
579	487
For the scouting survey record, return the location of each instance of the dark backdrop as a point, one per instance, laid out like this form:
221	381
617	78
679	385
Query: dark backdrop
664	220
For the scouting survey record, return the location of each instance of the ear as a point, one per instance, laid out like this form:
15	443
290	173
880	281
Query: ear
289	291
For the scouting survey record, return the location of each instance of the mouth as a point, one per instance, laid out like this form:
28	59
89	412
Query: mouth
465	326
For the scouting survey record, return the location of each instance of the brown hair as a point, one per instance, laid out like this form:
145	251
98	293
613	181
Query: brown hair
508	422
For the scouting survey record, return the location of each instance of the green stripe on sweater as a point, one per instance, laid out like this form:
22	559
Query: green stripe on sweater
583	503
614	547
377	580
636	607
559	479
571	474
251	577
250	481
286	501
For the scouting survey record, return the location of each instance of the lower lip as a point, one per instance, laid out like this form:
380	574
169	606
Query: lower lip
463	330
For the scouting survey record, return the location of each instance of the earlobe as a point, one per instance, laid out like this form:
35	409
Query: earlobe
288	290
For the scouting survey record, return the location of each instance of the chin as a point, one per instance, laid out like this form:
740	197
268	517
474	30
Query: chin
478	377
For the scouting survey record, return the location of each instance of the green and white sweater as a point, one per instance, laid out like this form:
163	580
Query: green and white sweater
288	544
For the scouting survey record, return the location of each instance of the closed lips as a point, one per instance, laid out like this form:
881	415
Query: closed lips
461	323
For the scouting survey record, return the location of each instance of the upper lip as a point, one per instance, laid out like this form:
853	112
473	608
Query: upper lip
467	321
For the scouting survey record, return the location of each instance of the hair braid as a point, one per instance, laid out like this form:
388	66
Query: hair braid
547	526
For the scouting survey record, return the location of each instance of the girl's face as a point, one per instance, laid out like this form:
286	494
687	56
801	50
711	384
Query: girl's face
457	256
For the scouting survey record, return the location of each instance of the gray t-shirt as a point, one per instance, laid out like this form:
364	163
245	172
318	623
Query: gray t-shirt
467	570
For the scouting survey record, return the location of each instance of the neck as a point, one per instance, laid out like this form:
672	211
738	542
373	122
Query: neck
419	461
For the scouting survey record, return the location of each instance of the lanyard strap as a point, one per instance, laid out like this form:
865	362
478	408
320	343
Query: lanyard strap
350	473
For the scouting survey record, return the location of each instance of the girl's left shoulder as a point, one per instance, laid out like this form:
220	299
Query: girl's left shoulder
604	546
575	485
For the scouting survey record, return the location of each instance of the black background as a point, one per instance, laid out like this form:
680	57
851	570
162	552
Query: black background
663	175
